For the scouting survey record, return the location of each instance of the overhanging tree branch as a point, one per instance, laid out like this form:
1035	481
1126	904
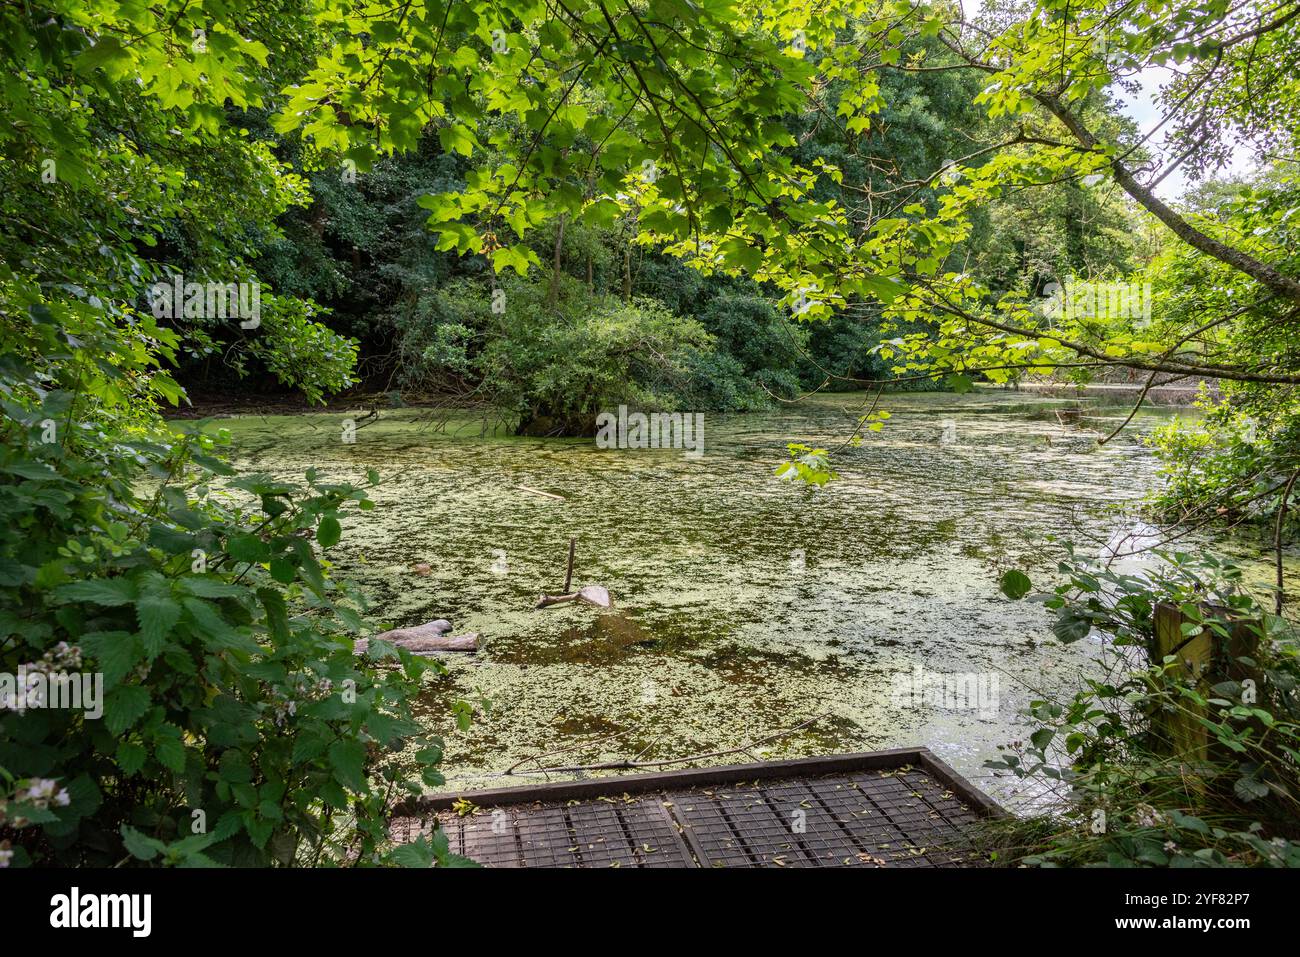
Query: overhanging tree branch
1267	275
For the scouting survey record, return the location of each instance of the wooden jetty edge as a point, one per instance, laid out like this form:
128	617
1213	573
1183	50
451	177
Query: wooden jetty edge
901	807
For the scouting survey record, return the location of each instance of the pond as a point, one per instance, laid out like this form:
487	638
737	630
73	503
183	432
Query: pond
745	605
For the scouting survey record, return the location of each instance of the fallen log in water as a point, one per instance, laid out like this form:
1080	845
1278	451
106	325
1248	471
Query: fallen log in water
422	639
420	646
597	595
424	646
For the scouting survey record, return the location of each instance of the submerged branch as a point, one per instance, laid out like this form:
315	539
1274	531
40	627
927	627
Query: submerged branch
629	764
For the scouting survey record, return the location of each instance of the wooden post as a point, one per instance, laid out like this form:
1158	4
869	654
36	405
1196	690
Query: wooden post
1206	659
1181	731
568	575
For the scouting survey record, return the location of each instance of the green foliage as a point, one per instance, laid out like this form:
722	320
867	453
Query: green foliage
1231	465
1233	462
127	163
807	464
650	194
553	367
768	345
1015	584
301	352
717	380
1129	794
235	726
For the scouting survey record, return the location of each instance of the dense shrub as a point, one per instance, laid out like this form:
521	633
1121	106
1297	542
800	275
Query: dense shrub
554	365
237	726
1129	789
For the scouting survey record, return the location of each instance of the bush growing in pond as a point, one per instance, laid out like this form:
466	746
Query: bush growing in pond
555	365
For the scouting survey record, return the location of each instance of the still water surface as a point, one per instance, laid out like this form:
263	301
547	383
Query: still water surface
744	605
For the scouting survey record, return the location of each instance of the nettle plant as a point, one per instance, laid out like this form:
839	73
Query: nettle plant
1131	788
237	725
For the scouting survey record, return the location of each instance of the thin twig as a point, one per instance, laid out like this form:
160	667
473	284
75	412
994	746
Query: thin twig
1138	404
572	747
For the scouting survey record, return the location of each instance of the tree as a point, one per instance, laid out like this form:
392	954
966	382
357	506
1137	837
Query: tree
223	716
717	133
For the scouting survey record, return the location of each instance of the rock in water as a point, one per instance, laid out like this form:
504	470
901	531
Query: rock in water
441	625
597	595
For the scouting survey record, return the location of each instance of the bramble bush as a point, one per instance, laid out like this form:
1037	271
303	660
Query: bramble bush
1128	793
237	727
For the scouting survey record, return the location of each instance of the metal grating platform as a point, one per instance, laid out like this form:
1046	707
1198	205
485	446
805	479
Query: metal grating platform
900	808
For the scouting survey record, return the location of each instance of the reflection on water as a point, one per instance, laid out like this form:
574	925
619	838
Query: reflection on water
744	604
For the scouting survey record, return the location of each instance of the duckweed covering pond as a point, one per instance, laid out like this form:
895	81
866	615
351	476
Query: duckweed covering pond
745	605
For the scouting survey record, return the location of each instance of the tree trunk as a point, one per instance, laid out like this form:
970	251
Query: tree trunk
553	293
627	272
1074	240
1280	284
